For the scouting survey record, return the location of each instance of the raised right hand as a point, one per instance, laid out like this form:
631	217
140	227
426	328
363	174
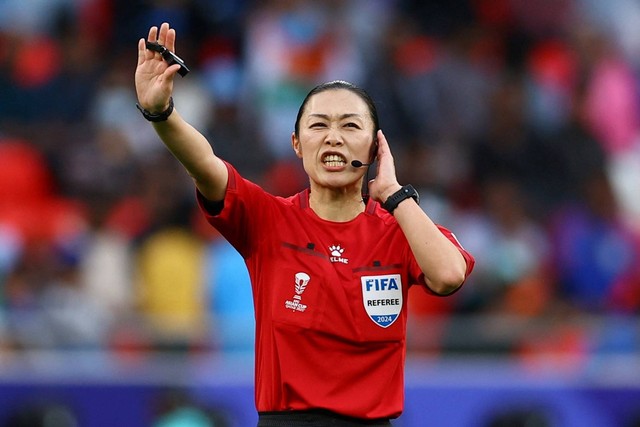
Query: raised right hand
154	78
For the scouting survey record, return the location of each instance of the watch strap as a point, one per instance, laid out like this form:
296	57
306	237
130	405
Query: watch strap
157	117
407	191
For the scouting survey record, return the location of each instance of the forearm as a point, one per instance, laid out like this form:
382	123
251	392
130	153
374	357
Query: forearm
440	260
195	153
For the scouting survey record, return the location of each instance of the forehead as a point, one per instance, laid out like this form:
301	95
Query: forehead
337	102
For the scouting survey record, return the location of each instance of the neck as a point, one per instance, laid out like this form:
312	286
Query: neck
338	206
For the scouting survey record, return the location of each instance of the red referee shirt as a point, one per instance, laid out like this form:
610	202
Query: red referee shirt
330	301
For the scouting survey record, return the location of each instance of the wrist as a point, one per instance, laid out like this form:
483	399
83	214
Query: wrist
157	116
389	192
405	192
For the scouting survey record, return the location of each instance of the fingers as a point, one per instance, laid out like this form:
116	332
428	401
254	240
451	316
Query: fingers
153	34
383	145
165	35
385	158
152	37
142	51
383	148
170	40
162	35
171	72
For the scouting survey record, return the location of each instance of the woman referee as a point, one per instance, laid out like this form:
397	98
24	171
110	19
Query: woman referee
330	269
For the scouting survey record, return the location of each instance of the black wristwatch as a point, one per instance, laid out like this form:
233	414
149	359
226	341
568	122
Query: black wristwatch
159	117
402	194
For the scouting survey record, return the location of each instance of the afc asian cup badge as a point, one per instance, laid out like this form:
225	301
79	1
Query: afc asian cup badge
301	280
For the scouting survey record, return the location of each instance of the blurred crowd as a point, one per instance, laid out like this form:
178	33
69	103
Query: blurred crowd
518	121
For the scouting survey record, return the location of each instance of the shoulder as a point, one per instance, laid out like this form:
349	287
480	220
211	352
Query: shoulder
246	192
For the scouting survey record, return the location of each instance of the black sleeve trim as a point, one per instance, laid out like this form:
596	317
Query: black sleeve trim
213	208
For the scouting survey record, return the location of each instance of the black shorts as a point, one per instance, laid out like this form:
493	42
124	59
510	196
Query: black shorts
315	418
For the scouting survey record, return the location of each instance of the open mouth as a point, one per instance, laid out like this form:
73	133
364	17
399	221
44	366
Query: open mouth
334	160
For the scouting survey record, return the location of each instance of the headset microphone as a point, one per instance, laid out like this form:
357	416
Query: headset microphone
359	164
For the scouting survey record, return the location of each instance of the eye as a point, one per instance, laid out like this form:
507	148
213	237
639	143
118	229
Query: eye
352	125
317	125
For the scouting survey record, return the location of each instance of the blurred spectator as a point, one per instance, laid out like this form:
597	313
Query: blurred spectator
106	265
32	17
47	305
595	254
552	78
44	299
169	256
170	288
611	106
229	295
617	20
576	153
511	150
128	135
291	45
513	251
612	111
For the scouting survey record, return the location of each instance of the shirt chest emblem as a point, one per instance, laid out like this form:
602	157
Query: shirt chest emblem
382	298
336	252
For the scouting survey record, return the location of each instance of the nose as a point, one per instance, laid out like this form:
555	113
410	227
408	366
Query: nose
333	138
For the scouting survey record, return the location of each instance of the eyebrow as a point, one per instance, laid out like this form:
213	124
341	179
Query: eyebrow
341	117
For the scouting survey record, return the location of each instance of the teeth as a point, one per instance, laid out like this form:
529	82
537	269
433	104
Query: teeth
334	160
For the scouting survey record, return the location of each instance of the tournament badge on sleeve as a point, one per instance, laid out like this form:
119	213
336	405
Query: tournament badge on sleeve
382	298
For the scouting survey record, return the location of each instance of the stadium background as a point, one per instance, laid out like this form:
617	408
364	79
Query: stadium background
517	120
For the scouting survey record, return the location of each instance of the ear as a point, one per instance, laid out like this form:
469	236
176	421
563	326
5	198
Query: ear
295	143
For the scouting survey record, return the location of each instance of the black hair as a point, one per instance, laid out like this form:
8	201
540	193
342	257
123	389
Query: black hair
341	84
